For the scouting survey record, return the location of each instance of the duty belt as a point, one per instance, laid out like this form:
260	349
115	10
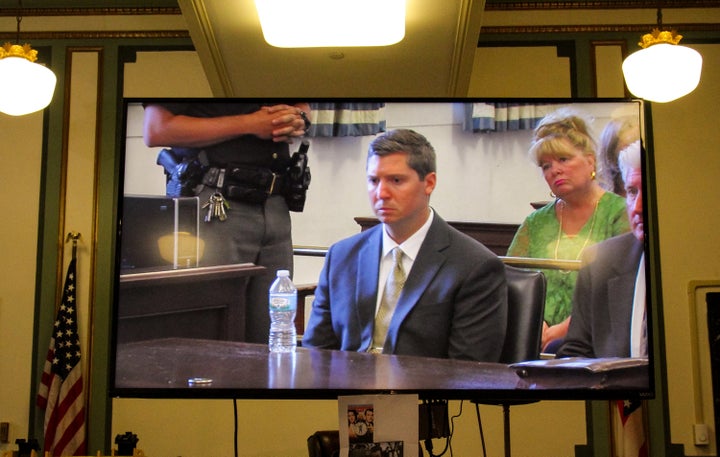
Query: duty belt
239	179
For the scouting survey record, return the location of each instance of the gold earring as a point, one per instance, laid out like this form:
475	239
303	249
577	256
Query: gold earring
592	175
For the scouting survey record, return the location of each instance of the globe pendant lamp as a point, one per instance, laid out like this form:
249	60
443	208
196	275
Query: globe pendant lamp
25	86
662	71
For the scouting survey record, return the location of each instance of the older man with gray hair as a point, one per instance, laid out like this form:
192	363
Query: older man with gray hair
615	268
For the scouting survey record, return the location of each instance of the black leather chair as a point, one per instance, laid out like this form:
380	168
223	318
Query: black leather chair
324	443
526	307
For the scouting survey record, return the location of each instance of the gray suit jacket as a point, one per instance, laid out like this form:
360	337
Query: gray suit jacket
453	304
602	304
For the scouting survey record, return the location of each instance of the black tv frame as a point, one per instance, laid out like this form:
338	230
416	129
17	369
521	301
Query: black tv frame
654	295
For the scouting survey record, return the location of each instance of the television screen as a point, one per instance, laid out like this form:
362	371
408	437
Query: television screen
186	324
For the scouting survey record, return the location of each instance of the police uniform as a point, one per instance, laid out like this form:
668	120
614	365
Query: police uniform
254	231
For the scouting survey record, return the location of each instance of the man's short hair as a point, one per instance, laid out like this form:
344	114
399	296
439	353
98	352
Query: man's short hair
421	154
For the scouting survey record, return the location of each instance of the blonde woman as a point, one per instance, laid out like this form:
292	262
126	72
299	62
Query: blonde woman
581	214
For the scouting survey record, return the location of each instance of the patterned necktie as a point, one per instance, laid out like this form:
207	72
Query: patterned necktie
395	282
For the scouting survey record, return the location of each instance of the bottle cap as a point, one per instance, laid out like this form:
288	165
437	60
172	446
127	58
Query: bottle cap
283	272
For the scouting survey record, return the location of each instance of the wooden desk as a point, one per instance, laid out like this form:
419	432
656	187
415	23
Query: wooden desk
186	368
203	302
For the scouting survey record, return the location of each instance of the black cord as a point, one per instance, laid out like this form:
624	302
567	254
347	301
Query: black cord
235	415
452	427
18	19
482	434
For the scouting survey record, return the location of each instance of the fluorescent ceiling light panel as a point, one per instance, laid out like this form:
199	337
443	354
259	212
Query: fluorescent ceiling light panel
331	23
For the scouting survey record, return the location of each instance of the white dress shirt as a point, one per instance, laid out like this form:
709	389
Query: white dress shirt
410	249
638	326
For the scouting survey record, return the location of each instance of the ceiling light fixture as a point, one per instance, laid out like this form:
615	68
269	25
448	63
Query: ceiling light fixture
336	23
662	71
25	86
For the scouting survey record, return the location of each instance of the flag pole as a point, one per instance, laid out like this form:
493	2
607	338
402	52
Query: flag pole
74	237
61	390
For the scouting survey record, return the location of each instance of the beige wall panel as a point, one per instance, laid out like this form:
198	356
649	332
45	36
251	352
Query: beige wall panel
519	72
204	428
80	195
608	71
21	152
688	166
166	74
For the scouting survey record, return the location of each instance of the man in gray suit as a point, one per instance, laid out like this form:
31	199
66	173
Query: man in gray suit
453	301
608	317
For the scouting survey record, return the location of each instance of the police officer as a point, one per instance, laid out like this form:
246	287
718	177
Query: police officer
243	152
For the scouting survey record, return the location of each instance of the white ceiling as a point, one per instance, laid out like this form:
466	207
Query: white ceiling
433	60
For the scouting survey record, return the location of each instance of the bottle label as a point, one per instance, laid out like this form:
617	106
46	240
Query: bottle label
282	303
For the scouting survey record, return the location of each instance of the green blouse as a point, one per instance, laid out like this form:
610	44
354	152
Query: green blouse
538	236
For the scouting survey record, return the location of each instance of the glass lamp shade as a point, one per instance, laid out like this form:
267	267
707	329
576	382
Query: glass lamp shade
662	72
181	249
25	87
331	23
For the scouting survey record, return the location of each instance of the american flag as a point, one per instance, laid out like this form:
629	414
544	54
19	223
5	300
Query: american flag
629	429
61	388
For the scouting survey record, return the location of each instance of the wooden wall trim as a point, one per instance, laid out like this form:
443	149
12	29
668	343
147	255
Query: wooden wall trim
97	35
592	28
91	11
509	5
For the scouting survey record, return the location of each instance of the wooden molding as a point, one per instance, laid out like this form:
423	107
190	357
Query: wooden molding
509	5
27	12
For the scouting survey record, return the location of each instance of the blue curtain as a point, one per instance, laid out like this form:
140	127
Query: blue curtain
503	117
346	119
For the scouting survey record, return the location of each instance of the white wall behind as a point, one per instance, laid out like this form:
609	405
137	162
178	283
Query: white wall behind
481	177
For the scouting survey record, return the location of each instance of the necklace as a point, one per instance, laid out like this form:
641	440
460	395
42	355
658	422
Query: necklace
589	235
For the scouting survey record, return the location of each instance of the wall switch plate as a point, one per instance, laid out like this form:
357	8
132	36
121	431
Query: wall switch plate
701	434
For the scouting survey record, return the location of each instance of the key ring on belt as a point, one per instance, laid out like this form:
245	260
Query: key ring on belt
217	204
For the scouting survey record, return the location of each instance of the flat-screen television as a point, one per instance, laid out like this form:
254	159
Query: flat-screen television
179	316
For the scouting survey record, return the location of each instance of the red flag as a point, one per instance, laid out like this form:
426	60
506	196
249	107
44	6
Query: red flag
61	387
629	429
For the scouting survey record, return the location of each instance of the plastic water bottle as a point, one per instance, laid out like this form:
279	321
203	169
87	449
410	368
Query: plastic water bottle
282	307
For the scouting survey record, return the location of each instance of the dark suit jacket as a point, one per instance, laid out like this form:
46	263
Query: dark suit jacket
453	303
602	304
